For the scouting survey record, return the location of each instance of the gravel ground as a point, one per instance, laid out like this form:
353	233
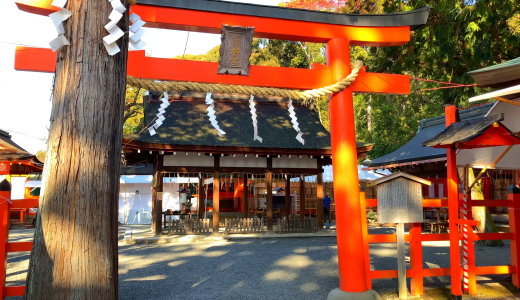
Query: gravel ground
285	268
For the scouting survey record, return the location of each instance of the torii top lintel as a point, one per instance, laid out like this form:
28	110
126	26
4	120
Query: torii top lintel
269	21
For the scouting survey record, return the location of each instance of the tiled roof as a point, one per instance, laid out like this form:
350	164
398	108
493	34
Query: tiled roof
429	128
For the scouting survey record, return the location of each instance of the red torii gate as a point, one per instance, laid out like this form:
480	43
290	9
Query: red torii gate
338	31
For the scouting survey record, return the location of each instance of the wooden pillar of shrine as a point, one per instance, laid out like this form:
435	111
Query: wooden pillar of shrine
287	197
453	208
202	197
156	202
302	197
319	204
245	196
216	202
269	199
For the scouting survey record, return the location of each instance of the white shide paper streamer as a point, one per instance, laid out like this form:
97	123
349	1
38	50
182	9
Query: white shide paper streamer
253	116
58	18
138	32
115	32
211	114
294	121
160	118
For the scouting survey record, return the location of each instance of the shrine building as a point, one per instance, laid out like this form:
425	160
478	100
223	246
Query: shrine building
188	146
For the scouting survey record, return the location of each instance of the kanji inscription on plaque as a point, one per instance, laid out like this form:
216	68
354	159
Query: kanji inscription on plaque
235	50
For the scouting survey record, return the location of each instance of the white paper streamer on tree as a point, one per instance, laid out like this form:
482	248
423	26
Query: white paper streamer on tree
138	32
253	116
115	32
58	18
294	121
211	114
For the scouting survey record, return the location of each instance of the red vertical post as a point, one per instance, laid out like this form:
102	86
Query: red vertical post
453	208
416	259
5	193
351	258
366	247
468	245
513	194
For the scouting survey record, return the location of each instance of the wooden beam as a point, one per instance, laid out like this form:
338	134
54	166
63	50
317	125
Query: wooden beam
501	99
216	202
302	197
170	169
165	69
245	195
163	17
492	166
269	199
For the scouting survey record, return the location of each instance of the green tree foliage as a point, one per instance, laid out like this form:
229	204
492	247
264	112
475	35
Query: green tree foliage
133	117
460	36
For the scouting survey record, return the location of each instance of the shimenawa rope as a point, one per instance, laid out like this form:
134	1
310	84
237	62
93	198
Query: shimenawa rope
304	96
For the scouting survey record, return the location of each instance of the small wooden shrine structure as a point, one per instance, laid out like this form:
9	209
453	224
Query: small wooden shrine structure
187	145
18	165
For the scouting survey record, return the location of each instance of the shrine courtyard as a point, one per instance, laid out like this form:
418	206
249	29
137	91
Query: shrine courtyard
281	268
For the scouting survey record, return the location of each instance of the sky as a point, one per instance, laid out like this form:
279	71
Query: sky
25	104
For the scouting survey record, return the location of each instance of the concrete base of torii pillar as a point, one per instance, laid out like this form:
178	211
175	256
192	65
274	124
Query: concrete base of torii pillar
337	294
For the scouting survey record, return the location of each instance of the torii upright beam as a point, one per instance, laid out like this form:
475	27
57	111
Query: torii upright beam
338	31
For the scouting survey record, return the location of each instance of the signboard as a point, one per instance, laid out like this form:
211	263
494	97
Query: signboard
399	201
235	50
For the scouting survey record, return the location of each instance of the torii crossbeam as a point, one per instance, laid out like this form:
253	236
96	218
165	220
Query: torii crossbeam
338	31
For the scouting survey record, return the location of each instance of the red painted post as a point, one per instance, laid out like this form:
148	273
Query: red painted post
416	259
366	248
351	260
5	193
513	194
453	208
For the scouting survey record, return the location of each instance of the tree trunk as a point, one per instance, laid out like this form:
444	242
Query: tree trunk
481	213
75	244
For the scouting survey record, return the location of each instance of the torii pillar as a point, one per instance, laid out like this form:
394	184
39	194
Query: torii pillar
351	260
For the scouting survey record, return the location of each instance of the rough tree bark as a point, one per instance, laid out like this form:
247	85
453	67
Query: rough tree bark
75	244
481	213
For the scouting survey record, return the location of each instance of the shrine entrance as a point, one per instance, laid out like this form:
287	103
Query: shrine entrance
337	79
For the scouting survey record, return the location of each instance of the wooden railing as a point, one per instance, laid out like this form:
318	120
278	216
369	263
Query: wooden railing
244	225
415	238
198	226
7	247
296	225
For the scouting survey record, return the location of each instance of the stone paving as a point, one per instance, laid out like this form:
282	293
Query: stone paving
269	268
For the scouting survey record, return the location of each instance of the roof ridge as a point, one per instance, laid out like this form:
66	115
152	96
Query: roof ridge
465	114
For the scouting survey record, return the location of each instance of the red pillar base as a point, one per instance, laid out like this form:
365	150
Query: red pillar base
337	294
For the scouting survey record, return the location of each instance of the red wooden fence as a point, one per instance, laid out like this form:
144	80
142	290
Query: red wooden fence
6	247
415	238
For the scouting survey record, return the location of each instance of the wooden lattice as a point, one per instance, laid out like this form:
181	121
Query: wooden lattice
199	226
296	225
244	225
